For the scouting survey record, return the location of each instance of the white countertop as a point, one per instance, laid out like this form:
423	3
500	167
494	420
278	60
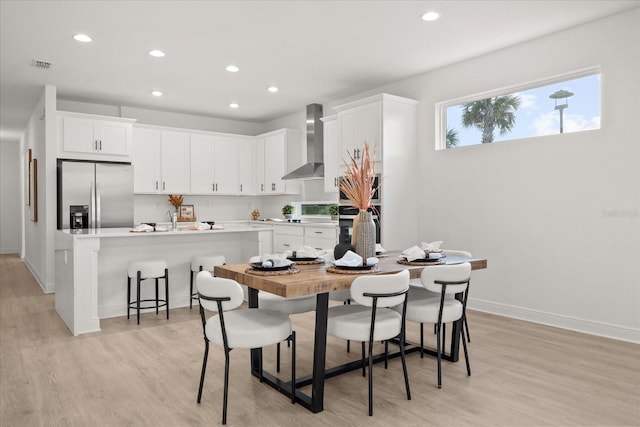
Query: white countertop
182	231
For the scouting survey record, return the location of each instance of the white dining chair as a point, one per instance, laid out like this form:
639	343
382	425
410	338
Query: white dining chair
246	328
463	254
372	318
444	280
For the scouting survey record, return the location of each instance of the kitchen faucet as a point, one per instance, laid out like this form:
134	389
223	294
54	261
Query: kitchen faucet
174	219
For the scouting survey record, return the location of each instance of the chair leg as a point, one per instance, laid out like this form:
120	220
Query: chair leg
386	354
421	340
166	290
128	297
444	336
204	369
370	378
404	367
466	325
363	372
226	386
466	354
278	357
293	367
439	349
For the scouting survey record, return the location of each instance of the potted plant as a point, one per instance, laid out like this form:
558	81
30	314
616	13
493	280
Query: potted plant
333	211
287	211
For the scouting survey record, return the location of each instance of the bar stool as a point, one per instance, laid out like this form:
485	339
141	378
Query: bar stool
143	270
199	263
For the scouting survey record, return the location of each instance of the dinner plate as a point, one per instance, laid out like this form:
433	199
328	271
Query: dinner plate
302	258
355	267
258	266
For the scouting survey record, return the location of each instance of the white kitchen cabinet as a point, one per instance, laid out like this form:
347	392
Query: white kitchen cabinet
86	136
287	238
219	164
160	161
332	154
390	124
271	159
246	166
320	237
357	125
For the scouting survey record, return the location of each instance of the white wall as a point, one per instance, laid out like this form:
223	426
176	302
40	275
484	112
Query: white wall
558	216
11	196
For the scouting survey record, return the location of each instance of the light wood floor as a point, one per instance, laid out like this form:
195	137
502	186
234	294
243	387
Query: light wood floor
523	374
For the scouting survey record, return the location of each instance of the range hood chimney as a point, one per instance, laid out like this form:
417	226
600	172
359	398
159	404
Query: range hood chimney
314	168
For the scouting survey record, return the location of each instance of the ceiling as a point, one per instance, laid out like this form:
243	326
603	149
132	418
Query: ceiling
314	51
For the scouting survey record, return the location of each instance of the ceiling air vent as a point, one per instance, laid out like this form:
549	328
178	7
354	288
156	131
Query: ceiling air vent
41	64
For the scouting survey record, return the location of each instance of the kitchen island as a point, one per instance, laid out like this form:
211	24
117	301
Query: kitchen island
91	265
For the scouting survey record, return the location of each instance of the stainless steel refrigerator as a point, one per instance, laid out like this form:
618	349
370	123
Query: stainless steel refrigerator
103	190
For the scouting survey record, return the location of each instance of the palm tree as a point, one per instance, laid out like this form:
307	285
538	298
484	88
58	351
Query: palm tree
487	114
452	138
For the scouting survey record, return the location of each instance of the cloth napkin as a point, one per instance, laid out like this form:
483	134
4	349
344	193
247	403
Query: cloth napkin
144	227
305	252
431	247
380	249
413	253
203	226
352	259
271	260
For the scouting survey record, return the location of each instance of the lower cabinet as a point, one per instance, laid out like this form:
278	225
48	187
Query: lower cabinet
292	237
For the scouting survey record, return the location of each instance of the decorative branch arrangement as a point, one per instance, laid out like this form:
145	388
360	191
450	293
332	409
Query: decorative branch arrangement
176	200
357	182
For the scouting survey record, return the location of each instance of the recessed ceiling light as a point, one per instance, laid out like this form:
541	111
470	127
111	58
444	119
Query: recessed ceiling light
273	89
232	69
430	16
234	105
156	53
82	38
156	93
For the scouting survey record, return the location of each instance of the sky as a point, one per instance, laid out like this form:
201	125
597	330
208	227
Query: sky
537	116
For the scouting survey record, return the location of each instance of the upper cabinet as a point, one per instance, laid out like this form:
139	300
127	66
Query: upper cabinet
220	163
271	162
160	161
90	137
359	124
332	154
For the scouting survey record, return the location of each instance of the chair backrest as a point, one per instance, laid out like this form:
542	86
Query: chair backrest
453	252
217	287
380	284
446	273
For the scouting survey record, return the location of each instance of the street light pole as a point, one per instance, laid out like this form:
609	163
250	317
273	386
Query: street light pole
560	94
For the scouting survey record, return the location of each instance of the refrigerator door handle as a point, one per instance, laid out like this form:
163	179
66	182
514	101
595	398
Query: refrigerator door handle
92	206
98	225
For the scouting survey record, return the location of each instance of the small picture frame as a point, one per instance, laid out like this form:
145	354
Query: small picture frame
187	213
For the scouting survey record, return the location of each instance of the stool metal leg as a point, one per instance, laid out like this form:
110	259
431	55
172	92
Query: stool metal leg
166	289
190	289
139	279
128	296
157	300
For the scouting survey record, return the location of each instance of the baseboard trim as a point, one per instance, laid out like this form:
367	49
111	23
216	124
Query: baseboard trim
47	288
564	322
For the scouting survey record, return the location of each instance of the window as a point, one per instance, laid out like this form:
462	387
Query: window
570	103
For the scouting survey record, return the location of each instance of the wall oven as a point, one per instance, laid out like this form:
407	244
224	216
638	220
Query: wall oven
346	215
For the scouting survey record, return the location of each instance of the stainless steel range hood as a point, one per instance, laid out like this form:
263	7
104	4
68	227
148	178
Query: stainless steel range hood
314	168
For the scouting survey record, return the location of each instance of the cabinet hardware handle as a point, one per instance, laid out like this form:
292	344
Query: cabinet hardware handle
95	145
261	187
213	187
318	232
286	244
241	188
100	145
162	185
156	185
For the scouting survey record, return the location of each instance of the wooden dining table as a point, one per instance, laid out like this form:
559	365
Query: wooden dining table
314	279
